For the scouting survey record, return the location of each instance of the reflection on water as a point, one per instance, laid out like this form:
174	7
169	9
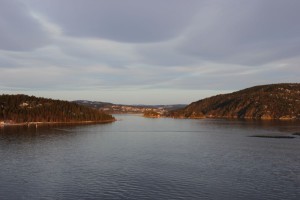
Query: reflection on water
139	158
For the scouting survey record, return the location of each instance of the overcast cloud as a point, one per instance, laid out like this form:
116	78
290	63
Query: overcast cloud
141	51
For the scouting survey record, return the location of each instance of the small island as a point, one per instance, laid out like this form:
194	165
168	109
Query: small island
151	114
26	110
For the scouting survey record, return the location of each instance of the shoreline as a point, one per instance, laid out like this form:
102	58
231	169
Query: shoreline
236	118
53	123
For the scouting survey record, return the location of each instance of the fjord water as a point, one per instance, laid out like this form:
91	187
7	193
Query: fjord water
141	158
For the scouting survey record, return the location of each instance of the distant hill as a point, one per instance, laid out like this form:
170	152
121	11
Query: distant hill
275	101
93	104
123	108
23	108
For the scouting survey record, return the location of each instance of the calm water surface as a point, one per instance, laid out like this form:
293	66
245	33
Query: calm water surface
140	158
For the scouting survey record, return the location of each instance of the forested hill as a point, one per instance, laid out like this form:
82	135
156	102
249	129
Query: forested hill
23	108
276	101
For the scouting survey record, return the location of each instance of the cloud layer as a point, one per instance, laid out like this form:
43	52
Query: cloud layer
19	30
105	48
123	21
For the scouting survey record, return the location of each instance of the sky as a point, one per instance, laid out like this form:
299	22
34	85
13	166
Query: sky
146	51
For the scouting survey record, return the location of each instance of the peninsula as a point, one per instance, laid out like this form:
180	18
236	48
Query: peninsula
23	109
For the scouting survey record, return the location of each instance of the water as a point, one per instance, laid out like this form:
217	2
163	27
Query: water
140	158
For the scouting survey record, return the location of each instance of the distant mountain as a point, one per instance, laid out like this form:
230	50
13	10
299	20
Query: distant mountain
23	108
275	101
123	108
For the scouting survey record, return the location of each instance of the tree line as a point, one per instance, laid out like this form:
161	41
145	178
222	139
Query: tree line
24	108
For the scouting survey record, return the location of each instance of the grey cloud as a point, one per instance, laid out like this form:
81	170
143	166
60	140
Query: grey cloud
19	30
125	21
7	61
91	52
245	32
165	54
219	81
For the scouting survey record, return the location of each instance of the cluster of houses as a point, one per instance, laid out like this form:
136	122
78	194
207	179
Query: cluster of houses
131	109
6	122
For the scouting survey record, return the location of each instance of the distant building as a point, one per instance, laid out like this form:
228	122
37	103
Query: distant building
24	104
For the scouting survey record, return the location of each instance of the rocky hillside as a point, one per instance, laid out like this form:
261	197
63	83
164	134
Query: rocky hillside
276	101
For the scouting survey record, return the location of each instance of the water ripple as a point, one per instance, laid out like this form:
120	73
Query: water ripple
196	161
